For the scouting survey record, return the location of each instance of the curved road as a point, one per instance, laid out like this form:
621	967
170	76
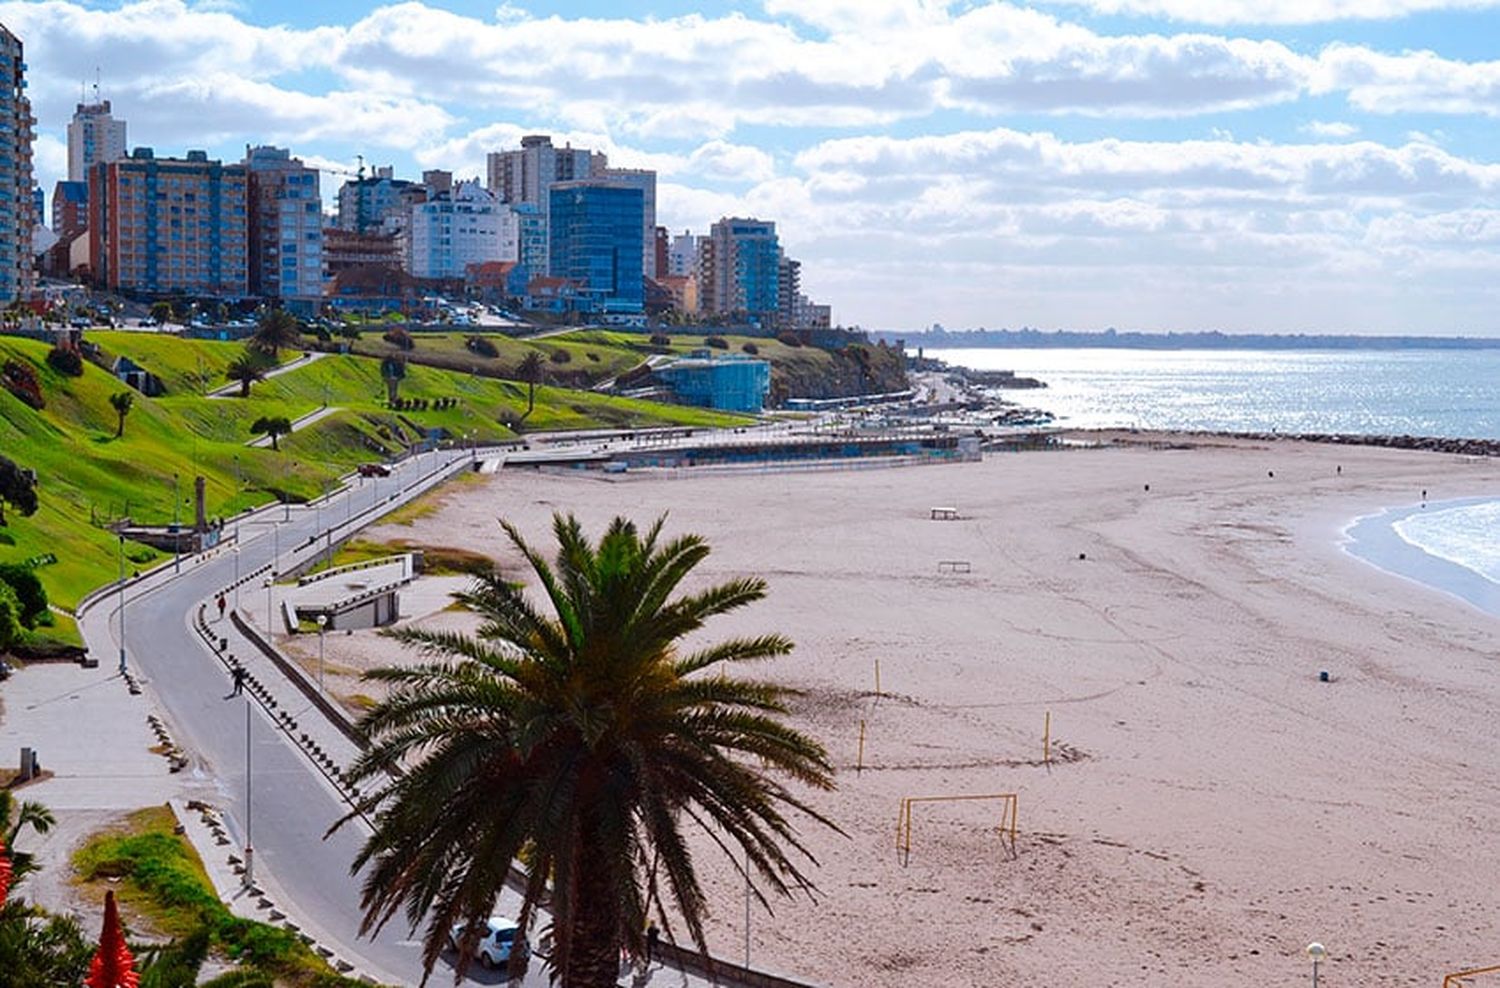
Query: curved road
292	804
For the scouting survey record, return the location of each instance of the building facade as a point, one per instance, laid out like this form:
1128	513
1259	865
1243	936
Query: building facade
285	225
17	277
94	135
451	231
162	225
730	383
366	203
595	235
682	255
525	175
739	266
645	180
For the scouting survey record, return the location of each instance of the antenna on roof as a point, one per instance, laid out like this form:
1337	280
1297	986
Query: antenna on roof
96	84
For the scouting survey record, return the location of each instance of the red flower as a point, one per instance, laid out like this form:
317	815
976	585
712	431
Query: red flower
113	967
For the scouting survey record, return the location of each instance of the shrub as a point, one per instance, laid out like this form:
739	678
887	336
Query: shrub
560	357
717	342
789	339
482	346
660	339
29	592
399	338
592	356
751	349
20	380
66	360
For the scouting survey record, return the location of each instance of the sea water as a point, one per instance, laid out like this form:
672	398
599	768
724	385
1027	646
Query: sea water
1453	393
1452	546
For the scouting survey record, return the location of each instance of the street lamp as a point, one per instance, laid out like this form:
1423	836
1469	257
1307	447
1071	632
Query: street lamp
270	582
176	527
122	603
322	624
236	551
1317	952
249	847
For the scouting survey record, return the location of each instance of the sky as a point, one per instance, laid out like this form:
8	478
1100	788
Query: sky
1235	165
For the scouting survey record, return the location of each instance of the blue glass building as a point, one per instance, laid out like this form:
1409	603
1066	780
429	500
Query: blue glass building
730	383
595	241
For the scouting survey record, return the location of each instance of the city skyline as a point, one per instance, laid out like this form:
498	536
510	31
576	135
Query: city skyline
1146	164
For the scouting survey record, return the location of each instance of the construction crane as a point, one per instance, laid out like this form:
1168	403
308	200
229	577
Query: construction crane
359	177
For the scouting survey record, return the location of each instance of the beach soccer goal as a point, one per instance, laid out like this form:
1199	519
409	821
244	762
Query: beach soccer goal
1006	829
1464	979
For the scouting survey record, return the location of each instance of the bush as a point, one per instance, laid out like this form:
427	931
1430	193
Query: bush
789	339
482	346
29	592
560	357
717	342
66	360
660	339
20	380
592	356
751	349
400	339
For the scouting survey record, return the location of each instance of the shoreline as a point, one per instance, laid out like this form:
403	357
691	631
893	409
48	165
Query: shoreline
1373	539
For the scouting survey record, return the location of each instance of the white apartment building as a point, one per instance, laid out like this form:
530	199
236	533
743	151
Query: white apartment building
682	255
93	136
286	225
471	225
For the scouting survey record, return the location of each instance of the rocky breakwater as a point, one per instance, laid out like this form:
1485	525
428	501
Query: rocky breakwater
1434	444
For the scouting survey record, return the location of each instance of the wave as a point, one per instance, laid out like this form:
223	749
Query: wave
1467	535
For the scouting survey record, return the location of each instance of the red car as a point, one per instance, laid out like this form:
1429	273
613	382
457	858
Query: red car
374	470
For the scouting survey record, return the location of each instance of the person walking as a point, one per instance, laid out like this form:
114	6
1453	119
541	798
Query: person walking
237	674
653	939
222	604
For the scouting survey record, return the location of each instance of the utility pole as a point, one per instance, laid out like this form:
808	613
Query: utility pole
176	527
122	603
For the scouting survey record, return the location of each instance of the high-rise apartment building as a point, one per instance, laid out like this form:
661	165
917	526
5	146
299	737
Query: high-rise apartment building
17	277
70	209
739	266
595	235
531	238
526	175
160	225
682	255
94	135
285	225
452	230
365	204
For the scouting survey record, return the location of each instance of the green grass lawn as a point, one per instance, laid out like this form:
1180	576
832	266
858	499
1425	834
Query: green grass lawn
597	359
88	477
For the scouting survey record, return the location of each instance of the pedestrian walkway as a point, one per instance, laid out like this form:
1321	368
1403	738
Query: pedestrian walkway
302	422
232	389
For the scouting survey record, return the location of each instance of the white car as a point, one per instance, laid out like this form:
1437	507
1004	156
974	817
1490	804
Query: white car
501	936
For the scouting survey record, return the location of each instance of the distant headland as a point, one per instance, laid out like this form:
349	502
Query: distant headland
938	338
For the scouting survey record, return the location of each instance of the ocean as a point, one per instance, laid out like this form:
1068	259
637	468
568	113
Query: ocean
1410	392
1451	546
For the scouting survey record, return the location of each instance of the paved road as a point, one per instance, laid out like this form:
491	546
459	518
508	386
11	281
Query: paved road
290	806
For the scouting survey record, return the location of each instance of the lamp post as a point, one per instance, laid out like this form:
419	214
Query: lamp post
236	550
122	603
1317	952
270	582
249	845
322	624
176	527
275	544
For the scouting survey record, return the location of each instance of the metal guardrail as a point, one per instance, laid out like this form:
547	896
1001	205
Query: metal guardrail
354	567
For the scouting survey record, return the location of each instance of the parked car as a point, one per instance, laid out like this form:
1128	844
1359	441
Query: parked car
374	470
500	937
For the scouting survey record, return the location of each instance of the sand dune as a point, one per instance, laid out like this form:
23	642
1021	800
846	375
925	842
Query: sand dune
1211	806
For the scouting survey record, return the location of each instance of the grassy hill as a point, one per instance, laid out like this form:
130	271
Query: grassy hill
88	477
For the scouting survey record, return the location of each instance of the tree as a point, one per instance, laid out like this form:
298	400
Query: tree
247	368
393	371
274	426
162	312
11	628
275	329
13	817
29	591
581	743
17	489
530	370
121	402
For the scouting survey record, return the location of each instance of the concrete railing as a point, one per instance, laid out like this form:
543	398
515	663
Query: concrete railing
407	570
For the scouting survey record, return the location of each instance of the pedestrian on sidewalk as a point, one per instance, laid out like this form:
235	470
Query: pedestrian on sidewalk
653	938
238	675
222	603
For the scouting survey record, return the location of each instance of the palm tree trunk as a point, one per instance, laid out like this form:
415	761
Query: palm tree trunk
594	960
120	428
245	388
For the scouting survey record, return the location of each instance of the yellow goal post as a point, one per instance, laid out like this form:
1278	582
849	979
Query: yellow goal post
1009	810
1460	979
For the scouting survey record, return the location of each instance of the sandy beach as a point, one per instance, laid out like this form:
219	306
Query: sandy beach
1210	806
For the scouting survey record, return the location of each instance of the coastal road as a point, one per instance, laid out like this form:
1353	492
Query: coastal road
290	805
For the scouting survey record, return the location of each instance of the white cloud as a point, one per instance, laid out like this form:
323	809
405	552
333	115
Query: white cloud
721	161
1221	12
1336	129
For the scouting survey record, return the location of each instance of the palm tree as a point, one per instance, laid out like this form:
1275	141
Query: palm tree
581	743
274	426
277	328
13	817
121	402
530	371
247	368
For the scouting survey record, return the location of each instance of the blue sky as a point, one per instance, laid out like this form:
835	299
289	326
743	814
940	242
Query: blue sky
1268	165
